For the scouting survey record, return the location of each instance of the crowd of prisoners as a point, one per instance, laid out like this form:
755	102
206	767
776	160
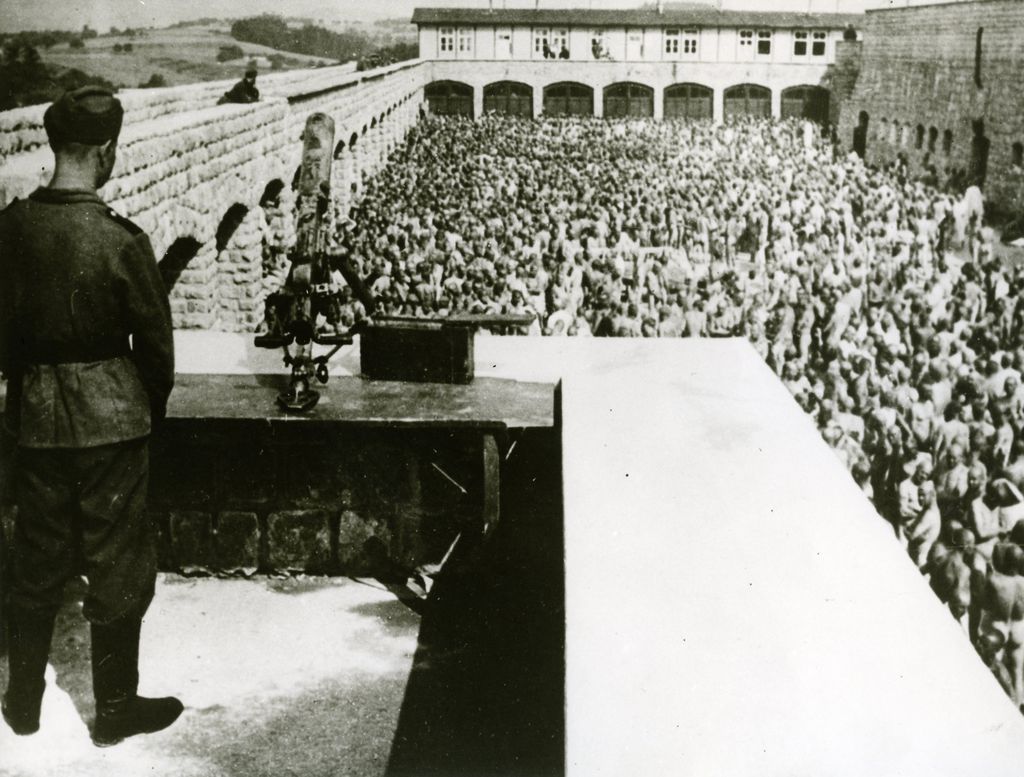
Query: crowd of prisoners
876	297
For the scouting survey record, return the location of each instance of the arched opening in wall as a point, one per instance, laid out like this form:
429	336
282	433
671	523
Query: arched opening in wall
1017	155
176	259
509	98
977	57
747	100
860	134
272	193
352	140
979	153
339	149
628	99
688	101
881	130
947	142
919	137
568	98
933	138
806	102
231	221
449	98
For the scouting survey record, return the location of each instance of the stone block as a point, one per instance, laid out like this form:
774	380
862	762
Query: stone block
196	321
353	532
237	542
299	540
192	540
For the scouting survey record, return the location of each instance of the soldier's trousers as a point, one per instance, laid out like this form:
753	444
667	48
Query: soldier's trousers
78	507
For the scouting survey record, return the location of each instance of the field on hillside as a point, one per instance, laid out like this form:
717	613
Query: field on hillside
182	55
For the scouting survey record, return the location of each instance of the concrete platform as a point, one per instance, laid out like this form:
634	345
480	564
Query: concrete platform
733	606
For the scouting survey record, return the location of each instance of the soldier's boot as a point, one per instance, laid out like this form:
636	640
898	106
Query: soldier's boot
120	711
28	649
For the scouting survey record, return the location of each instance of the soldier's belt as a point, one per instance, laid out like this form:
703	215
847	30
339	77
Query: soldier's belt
71	353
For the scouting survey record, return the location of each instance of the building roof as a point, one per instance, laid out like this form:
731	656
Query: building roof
635	17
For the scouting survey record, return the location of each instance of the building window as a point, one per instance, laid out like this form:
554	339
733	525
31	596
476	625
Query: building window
634	44
933	137
466	40
598	45
447	43
560	43
800	44
504	44
746	38
542	42
690	42
818	44
671	41
764	43
1018	155
919	137
947	142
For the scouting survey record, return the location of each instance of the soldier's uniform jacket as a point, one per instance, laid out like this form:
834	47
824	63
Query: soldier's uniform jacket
76	280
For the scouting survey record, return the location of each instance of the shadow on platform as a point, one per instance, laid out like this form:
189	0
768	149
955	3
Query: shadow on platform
486	692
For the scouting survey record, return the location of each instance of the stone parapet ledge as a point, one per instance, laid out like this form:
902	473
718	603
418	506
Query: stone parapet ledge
21	129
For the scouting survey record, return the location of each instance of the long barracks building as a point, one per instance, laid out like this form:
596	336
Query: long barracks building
699	63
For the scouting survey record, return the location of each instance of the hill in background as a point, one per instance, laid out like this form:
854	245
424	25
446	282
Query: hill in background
37	66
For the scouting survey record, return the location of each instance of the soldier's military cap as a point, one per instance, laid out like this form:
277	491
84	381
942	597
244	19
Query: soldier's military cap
90	115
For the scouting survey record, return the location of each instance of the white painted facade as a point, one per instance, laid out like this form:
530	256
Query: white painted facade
808	46
714	49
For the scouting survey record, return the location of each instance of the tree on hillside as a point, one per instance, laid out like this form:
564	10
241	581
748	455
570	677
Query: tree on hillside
308	39
229	53
19	52
26	80
39	38
155	81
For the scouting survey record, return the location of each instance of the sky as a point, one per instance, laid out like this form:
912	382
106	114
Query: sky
101	14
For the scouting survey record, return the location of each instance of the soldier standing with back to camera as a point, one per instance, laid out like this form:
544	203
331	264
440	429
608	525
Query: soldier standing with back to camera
76	282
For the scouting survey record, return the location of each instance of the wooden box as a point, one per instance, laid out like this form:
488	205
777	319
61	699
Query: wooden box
420	352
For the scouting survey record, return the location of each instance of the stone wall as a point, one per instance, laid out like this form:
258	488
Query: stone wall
240	498
842	75
922	66
191	173
252	496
